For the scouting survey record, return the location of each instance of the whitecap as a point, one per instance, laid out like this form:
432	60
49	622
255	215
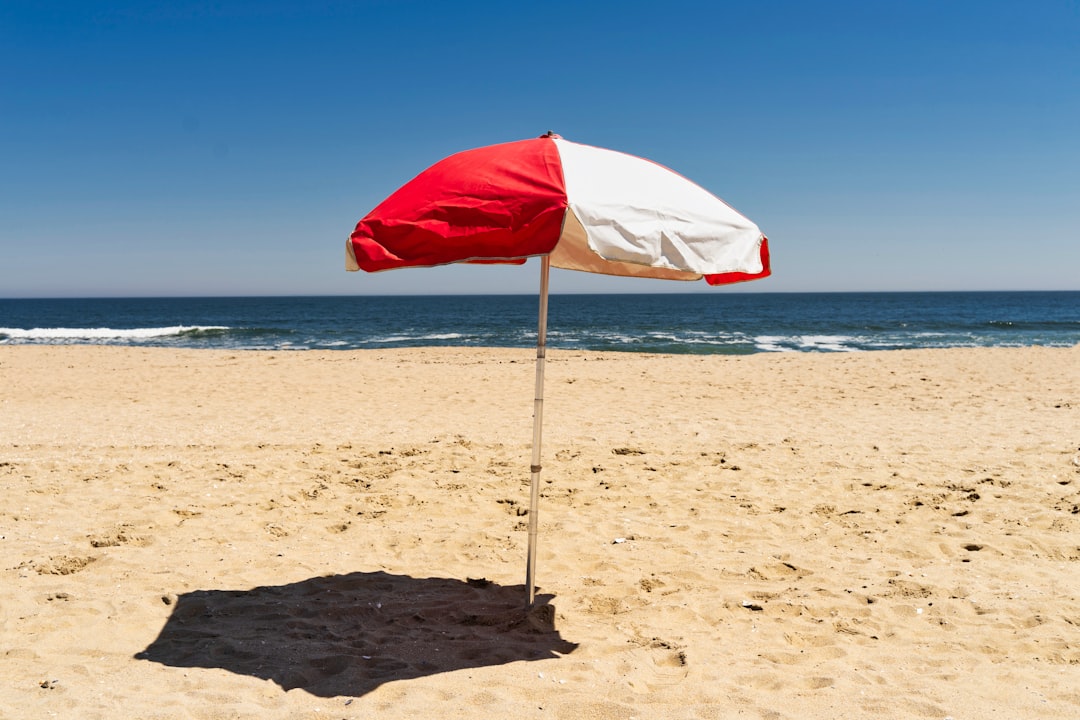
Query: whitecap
104	333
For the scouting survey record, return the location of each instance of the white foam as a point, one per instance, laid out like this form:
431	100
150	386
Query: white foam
104	333
836	343
441	336
697	338
415	338
771	343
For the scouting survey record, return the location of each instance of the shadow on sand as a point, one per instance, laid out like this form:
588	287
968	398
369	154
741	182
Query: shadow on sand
348	634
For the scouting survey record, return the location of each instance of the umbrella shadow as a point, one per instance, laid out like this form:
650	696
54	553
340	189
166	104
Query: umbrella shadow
349	634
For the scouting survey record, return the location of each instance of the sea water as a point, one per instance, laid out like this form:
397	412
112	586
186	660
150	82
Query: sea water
702	323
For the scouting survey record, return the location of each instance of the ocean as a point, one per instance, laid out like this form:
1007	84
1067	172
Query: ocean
701	323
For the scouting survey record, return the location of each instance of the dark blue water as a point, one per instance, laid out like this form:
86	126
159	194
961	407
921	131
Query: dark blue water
729	323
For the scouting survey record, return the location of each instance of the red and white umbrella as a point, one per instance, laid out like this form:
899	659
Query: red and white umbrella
576	207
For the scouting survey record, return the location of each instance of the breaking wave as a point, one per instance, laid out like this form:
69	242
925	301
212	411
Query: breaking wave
62	335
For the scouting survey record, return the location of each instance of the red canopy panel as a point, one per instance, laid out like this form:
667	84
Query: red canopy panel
499	203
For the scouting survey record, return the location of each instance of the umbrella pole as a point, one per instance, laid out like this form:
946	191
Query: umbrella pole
538	424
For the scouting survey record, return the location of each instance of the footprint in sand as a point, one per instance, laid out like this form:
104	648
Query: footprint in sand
62	565
122	535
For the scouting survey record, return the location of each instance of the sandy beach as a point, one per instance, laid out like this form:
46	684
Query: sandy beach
210	534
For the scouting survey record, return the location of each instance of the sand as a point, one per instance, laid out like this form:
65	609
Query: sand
210	534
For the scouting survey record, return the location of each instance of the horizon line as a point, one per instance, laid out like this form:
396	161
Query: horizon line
511	294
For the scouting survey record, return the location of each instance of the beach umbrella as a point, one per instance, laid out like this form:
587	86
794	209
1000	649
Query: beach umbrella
574	206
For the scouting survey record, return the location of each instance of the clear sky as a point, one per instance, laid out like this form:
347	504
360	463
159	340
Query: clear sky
228	148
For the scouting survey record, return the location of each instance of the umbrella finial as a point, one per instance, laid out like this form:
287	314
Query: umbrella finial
553	135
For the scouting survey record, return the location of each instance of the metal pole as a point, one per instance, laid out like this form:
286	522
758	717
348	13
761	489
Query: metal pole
538	423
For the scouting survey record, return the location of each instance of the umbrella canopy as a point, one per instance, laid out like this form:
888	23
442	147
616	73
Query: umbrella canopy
588	208
575	206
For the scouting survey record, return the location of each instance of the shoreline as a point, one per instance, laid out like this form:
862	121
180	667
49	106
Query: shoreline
208	533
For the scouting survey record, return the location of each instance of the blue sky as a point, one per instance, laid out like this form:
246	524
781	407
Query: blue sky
228	148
